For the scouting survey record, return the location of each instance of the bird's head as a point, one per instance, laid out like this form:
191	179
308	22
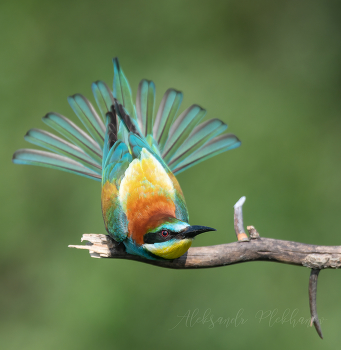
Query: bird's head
171	238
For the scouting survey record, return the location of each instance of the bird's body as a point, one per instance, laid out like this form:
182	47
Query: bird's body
135	155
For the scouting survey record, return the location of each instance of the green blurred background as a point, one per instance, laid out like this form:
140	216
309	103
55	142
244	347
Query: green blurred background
271	70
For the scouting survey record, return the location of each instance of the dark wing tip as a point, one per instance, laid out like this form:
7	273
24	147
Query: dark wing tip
18	153
14	156
47	115
120	111
112	128
116	62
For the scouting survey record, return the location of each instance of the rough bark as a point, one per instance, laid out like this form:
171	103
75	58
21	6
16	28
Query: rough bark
257	249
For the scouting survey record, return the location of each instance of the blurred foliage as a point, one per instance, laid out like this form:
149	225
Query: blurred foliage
271	70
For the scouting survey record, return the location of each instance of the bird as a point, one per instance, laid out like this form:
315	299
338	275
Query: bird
136	154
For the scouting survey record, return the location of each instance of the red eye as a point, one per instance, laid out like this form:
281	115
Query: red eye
164	233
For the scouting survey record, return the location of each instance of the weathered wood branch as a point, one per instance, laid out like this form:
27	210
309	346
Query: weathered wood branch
257	249
252	248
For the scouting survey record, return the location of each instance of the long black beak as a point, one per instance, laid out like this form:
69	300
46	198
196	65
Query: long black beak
192	231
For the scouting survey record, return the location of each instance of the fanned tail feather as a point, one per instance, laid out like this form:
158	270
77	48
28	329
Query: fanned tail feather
145	104
103	96
122	90
210	149
74	134
88	116
181	129
55	144
168	109
117	136
53	161
201	134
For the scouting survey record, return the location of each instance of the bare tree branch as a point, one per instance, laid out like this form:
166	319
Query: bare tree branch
259	249
253	248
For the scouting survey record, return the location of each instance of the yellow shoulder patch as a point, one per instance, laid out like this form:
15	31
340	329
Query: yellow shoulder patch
145	176
146	190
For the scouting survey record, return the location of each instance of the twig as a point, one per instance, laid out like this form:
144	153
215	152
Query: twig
238	221
312	301
252	232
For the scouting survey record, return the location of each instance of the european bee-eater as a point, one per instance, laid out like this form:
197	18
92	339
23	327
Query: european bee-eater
136	156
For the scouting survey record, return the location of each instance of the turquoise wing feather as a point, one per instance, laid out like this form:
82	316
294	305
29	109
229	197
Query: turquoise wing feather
122	90
103	96
168	109
210	149
56	144
53	161
181	129
203	133
88	116
145	105
116	160
178	143
74	134
117	163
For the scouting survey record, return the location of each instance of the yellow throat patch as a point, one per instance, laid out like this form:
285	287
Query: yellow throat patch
173	251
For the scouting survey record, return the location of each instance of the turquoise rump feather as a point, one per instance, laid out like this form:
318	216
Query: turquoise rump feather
135	152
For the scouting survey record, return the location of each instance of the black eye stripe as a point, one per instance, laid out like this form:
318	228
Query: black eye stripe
158	237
